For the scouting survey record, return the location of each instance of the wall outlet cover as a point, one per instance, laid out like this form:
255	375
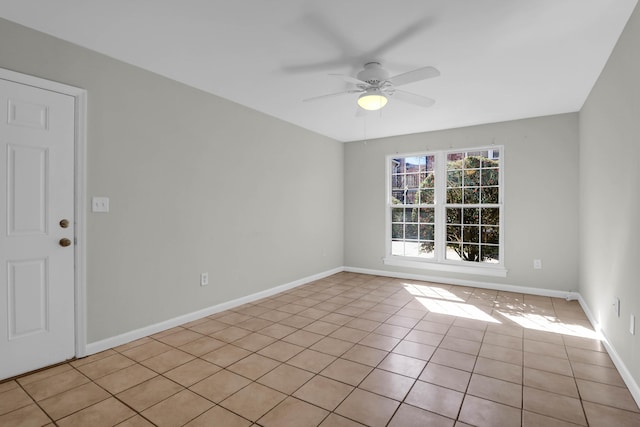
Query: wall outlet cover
204	279
100	204
616	306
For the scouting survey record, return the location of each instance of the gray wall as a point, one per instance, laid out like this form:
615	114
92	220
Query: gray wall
197	184
540	204
610	196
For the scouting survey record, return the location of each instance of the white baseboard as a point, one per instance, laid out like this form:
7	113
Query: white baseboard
115	341
470	283
105	344
628	379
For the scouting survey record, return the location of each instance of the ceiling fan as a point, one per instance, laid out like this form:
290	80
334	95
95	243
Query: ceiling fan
376	87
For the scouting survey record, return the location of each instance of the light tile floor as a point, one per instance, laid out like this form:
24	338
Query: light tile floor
348	350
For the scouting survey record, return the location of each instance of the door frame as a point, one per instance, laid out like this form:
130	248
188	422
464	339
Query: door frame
80	198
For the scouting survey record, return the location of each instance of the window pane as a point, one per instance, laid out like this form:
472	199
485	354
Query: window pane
410	215
426	250
397	182
411	231
453	251
490	195
431	162
397	248
472	178
454	233
397	197
471	195
492	158
397	231
428	181
397	165
426	215
426	196
412	164
491	216
454	178
412	180
471	216
471	253
397	215
411	197
477	153
454	216
471	234
490	235
454	195
490	254
452	160
416	250
426	232
490	177
472	162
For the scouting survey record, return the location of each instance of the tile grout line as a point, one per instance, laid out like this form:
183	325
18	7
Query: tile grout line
34	401
351	309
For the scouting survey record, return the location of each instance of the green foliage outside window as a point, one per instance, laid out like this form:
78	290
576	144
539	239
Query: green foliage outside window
472	232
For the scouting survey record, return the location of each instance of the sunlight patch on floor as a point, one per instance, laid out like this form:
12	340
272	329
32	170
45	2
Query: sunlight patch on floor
459	309
440	300
431	292
549	324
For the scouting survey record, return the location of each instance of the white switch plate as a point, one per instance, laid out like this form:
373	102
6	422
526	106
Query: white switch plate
632	324
616	306
100	204
537	264
204	279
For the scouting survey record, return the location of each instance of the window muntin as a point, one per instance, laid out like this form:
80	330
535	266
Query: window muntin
457	218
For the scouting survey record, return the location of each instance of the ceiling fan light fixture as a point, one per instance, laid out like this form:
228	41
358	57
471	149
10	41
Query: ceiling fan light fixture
372	100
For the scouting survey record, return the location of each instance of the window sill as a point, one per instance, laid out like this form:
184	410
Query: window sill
483	270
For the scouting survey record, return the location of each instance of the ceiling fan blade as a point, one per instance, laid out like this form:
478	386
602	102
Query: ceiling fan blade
330	32
348	53
350	79
414	76
400	37
331	95
412	98
322	27
316	66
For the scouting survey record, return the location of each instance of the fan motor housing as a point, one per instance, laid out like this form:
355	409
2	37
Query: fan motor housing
373	73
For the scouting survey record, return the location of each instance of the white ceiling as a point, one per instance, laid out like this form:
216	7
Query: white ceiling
499	59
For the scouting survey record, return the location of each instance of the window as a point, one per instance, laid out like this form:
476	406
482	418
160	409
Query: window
445	209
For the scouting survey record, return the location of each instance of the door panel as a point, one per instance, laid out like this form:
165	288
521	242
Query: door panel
27	298
36	192
27	190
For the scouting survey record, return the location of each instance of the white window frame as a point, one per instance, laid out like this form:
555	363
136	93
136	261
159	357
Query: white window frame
439	262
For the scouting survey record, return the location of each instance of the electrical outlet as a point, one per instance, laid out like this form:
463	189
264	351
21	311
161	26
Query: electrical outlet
616	306
204	279
537	264
632	325
100	204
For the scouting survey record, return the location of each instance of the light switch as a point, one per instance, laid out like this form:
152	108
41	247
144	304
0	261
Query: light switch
100	204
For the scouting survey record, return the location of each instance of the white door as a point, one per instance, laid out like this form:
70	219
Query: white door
36	198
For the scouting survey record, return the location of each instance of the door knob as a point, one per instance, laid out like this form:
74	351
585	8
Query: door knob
65	242
64	223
